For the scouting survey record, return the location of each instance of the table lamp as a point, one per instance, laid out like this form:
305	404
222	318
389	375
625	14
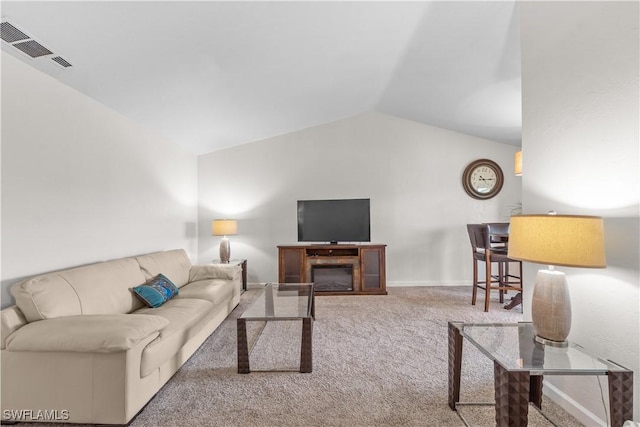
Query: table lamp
565	240
224	228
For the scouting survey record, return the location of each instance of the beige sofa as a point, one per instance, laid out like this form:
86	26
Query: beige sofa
79	346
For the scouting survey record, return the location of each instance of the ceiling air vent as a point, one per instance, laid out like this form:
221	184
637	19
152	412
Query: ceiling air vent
32	48
11	34
61	61
27	45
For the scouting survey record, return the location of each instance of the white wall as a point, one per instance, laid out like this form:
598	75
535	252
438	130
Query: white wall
81	183
581	153
410	171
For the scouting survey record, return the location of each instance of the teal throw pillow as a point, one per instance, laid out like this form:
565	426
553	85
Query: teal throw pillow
156	291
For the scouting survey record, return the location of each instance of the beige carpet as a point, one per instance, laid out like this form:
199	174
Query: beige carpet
378	361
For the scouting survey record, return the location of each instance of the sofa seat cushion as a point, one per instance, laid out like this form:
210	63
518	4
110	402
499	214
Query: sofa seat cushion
174	264
215	291
184	321
99	333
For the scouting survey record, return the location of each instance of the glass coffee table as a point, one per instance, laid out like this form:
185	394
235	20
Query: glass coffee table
519	364
280	301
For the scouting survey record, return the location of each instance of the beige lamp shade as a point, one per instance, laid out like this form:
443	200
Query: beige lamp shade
224	227
517	164
568	240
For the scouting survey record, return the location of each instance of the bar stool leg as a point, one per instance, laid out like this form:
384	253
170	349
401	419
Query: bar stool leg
487	286
474	293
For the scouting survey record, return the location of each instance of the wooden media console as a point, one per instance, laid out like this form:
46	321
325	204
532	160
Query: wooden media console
341	269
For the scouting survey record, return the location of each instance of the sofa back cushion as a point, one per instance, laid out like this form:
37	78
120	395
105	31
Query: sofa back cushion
174	264
102	288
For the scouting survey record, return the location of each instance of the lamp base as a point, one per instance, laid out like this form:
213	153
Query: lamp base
551	343
551	308
225	250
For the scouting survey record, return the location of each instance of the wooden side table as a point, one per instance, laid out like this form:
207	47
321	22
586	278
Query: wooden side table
520	364
242	263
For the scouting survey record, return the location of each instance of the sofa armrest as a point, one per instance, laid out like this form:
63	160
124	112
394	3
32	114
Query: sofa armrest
11	319
98	333
214	271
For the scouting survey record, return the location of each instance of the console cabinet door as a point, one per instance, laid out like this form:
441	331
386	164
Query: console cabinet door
373	269
291	266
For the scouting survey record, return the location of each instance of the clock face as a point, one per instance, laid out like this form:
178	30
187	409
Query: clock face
482	179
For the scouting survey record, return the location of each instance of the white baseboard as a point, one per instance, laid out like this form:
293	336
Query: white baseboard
397	284
581	413
430	283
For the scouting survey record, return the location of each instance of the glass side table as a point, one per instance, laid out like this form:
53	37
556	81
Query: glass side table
520	363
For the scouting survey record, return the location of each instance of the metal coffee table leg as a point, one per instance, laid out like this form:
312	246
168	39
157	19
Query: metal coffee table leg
306	351
243	348
455	364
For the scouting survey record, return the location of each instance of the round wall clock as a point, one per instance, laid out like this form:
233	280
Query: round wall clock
482	179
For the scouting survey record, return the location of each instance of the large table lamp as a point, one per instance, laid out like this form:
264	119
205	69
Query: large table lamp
224	228
564	240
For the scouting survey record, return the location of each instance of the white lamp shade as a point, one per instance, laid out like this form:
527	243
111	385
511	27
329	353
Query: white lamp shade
224	227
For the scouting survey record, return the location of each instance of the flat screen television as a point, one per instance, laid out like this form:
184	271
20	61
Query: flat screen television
343	220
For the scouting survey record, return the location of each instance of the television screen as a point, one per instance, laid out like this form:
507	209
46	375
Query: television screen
345	220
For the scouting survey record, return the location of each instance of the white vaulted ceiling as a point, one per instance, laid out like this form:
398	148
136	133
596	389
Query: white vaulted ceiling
210	75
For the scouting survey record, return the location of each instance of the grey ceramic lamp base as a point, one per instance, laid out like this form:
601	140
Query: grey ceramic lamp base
225	250
551	308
